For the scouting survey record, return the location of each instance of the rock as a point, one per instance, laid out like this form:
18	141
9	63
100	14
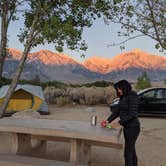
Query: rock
26	114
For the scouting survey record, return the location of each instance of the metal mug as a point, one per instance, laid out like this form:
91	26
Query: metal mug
93	120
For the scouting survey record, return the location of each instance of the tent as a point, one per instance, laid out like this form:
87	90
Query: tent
25	97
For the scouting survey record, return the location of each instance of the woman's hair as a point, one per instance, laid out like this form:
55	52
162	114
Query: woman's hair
124	86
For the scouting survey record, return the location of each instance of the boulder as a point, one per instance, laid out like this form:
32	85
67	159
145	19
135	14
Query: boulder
26	114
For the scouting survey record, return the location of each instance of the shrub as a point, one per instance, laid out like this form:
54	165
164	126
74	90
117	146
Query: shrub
143	82
51	93
110	94
61	101
80	95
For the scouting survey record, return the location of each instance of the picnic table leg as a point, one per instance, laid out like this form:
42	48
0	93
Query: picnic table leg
39	146
80	152
23	145
14	143
8	142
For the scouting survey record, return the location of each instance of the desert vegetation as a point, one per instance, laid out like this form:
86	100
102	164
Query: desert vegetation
143	82
95	93
79	95
56	92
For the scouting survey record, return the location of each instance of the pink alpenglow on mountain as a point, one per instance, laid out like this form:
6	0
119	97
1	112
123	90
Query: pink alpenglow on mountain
45	56
51	58
14	53
58	66
98	64
133	59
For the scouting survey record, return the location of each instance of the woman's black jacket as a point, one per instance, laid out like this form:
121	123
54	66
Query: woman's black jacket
127	110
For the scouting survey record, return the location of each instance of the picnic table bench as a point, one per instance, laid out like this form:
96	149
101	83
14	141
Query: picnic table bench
80	135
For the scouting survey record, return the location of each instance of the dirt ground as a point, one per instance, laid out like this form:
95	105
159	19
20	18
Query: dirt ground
151	144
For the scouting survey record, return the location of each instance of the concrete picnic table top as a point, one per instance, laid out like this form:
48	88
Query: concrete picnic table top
61	128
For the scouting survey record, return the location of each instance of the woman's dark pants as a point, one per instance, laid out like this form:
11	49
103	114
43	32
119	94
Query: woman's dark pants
130	135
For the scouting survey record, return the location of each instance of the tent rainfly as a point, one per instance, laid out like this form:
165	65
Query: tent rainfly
25	97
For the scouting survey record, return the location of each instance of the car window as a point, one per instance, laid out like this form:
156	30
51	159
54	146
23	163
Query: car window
159	94
149	94
164	93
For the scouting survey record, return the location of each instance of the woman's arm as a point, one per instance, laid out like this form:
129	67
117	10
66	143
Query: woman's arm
114	115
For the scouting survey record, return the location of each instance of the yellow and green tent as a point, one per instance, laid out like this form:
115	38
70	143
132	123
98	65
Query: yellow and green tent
25	97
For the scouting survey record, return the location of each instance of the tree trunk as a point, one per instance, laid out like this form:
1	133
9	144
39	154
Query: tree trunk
15	80
2	61
3	44
16	77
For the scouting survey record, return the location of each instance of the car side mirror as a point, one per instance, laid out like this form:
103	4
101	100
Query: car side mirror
141	99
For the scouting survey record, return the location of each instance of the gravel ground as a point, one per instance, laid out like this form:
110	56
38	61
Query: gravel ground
151	144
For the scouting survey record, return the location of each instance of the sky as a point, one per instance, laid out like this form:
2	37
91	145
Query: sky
98	37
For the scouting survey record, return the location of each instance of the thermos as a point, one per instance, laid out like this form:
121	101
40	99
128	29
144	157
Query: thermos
93	120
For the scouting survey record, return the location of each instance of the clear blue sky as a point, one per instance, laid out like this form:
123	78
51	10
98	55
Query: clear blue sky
97	38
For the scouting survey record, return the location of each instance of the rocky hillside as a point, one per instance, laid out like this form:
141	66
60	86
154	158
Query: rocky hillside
57	66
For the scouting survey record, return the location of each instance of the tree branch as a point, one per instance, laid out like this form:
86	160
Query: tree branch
154	24
135	28
122	42
12	11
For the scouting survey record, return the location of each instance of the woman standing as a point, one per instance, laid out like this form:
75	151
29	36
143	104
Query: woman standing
127	110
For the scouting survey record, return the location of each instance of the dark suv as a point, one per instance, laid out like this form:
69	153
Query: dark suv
152	102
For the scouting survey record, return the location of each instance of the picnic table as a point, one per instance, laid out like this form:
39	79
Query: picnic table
80	135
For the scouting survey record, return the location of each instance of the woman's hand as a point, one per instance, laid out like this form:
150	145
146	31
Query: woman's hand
104	123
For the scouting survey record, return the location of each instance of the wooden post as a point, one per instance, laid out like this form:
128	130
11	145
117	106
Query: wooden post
80	152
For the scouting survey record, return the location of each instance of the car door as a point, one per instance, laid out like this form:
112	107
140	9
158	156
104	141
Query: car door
160	102
153	102
146	102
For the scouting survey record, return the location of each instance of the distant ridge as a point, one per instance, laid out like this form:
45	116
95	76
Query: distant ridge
50	65
133	59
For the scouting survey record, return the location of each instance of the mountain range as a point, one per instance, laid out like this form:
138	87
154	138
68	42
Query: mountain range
58	66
